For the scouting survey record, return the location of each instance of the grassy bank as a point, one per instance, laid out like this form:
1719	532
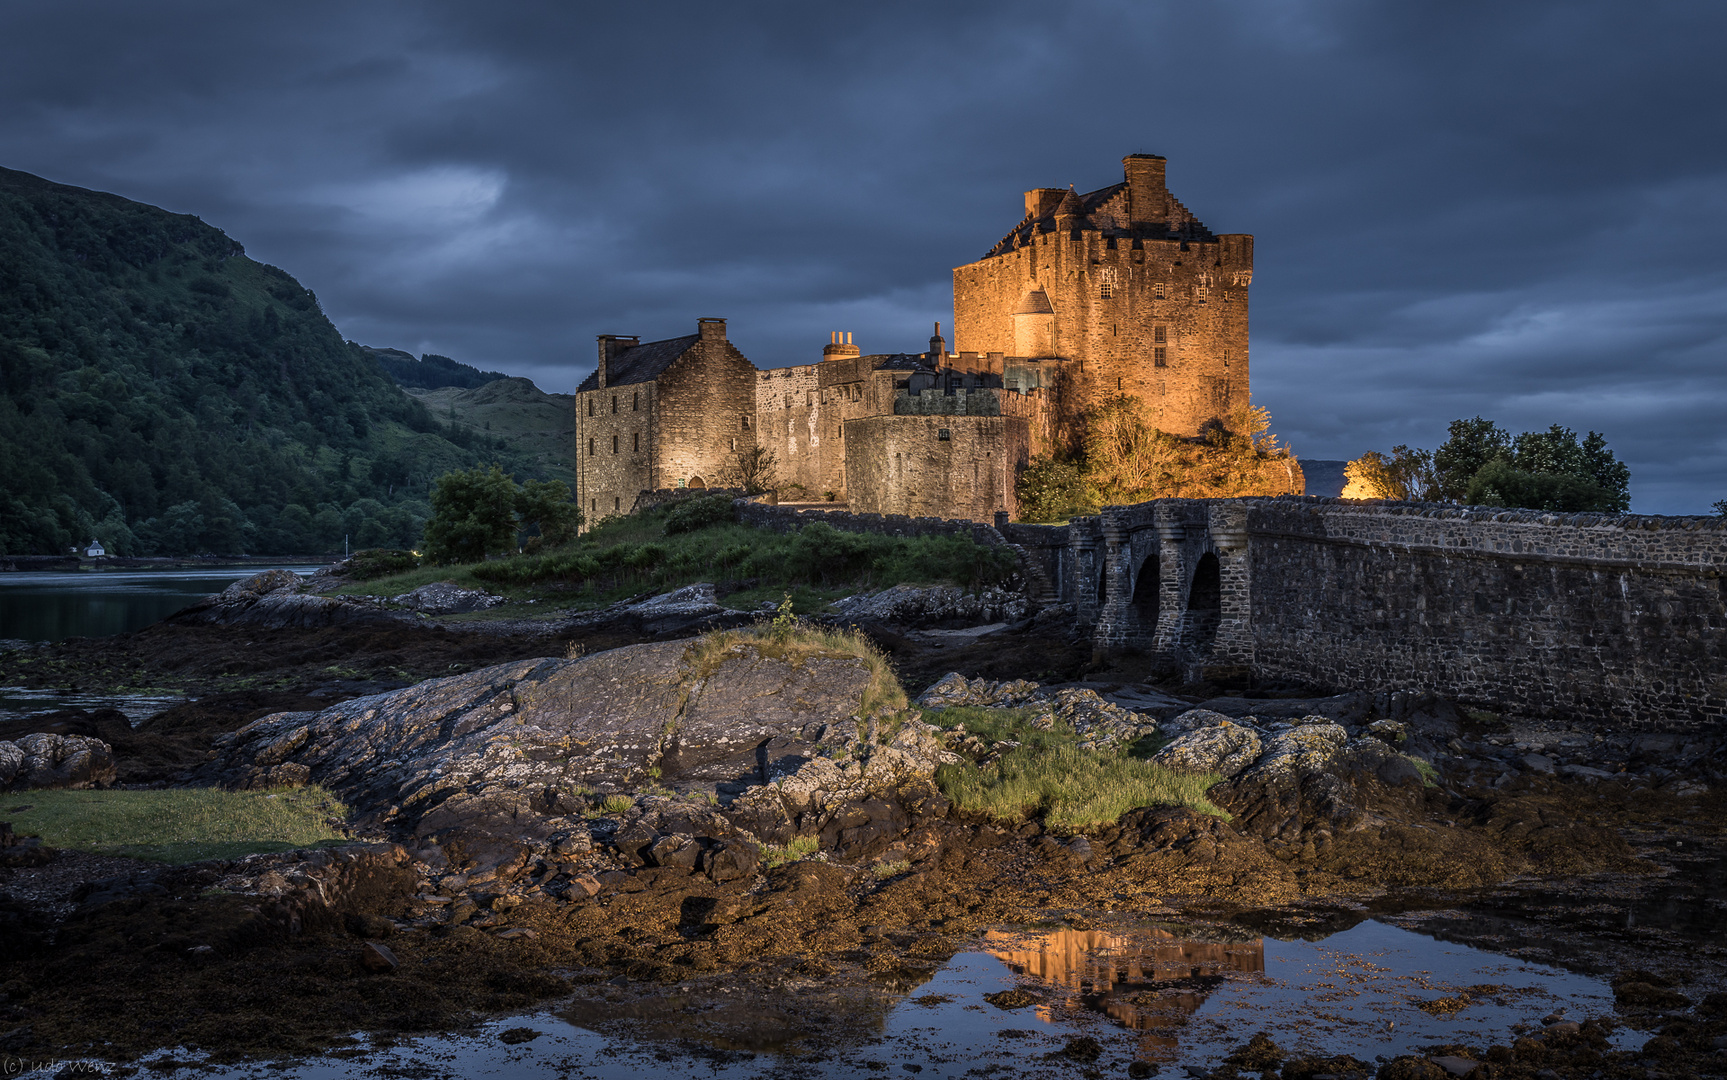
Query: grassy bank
177	825
663	549
1049	776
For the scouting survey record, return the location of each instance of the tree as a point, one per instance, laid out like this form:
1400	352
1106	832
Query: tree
1501	483
1721	507
1472	444
479	512
546	505
473	515
1406	476
754	468
1051	489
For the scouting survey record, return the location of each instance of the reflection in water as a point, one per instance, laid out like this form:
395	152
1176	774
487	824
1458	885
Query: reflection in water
1118	974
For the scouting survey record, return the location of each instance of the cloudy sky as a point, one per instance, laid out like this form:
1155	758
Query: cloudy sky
1513	210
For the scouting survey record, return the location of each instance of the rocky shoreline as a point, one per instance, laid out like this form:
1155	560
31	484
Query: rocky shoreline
669	812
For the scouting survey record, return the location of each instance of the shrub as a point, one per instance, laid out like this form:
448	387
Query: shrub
380	562
699	513
795	850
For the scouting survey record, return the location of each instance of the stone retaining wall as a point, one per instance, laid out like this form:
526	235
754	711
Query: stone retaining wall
786	519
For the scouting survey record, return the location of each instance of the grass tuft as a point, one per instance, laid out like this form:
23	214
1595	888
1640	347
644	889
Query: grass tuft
617	804
1429	774
1071	788
796	850
178	825
796	644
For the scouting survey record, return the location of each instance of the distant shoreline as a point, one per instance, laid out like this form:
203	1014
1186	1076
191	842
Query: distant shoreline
76	563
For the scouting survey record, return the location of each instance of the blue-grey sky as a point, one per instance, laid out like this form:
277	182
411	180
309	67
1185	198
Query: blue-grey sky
1513	210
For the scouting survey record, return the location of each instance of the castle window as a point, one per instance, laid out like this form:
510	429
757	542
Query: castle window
617	504
1106	283
614	444
636	441
746	423
593	506
590	443
636	401
1159	293
944	435
1160	334
1160	357
1200	291
590	406
614	403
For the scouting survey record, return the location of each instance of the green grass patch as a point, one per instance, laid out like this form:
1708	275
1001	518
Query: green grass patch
626	556
177	825
1071	788
1002	725
798	849
1429	774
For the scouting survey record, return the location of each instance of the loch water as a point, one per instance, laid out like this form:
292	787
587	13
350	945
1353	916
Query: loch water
1175	998
98	603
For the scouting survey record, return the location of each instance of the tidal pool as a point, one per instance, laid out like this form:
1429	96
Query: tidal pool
1169	996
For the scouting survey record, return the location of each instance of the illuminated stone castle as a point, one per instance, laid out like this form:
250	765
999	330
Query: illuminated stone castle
1119	291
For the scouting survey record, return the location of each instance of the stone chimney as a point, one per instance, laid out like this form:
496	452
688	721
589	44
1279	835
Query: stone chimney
1041	202
712	329
839	346
937	344
610	346
1147	197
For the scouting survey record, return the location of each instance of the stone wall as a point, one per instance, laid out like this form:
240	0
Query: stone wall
786	518
1612	619
1620	620
614	441
936	466
707	402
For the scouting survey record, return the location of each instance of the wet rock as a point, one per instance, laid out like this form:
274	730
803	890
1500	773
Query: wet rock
1226	748
1539	763
447	598
941	605
1410	1068
1082	1048
45	760
1639	994
1456	1066
1258	1054
1016	998
376	956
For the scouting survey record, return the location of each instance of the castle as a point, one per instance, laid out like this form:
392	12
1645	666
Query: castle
1121	291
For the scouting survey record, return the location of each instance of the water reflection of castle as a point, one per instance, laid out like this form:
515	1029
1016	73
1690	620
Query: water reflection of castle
1118	974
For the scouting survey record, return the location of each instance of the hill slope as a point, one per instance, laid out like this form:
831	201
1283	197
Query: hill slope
168	395
431	371
539	427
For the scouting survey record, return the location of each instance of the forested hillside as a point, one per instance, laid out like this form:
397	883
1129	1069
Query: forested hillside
168	395
431	371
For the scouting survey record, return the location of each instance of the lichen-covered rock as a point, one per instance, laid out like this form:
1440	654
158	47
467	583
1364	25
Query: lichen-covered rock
1227	748
46	760
680	607
1308	747
447	598
940	605
1193	720
507	751
1100	724
955	689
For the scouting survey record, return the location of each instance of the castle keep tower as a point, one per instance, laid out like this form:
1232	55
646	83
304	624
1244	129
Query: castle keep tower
1129	288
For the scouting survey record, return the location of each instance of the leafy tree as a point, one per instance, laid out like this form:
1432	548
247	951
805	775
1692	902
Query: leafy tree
1406	476
479	512
545	505
473	515
1721	507
1501	483
1472	444
1052	488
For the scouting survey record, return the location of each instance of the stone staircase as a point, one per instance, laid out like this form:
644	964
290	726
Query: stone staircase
1038	586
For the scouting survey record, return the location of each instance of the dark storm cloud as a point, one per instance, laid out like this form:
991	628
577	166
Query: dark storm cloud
1513	210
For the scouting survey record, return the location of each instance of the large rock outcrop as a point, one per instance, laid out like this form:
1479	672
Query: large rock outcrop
520	750
46	760
277	600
